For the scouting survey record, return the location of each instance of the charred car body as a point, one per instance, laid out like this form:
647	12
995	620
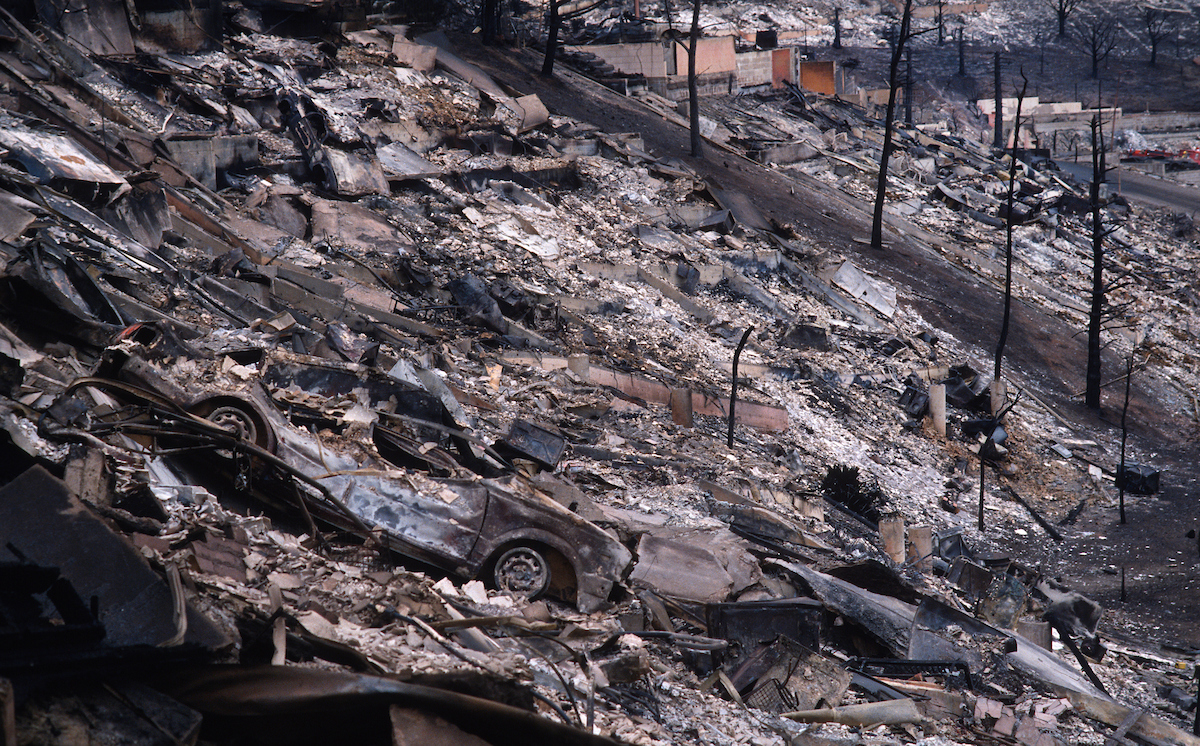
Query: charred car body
358	475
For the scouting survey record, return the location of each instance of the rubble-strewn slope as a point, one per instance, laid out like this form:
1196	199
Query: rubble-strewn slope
359	350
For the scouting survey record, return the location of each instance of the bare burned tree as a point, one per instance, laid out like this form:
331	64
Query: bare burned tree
941	23
962	54
902	38
837	27
1158	27
1063	10
1121	476
693	88
489	21
1097	308
553	26
560	11
1097	36
1008	229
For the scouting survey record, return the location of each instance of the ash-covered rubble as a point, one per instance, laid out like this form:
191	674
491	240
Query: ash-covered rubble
352	396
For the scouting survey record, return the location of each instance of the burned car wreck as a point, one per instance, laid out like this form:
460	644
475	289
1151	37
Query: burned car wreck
359	475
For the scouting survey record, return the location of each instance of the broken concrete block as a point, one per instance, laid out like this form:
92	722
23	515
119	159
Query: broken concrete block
705	565
352	225
420	57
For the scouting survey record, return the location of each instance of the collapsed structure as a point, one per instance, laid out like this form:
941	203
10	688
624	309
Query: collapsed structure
292	328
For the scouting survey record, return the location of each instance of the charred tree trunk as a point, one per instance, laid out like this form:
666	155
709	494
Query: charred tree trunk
893	85
490	22
837	28
1095	316
1158	28
553	27
693	88
1008	234
1125	433
962	54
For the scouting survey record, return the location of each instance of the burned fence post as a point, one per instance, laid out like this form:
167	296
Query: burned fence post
1037	631
1096	303
681	407
937	407
891	533
920	553
999	395
737	354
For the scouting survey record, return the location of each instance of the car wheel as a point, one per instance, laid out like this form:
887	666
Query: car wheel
238	418
523	571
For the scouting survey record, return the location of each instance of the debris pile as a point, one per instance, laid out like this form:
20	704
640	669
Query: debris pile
351	395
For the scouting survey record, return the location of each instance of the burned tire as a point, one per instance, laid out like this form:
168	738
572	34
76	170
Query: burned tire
238	418
523	571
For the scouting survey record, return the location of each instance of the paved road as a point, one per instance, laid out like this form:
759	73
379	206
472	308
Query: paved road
1142	188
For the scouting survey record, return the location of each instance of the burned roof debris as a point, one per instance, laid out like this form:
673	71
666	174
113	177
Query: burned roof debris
353	394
